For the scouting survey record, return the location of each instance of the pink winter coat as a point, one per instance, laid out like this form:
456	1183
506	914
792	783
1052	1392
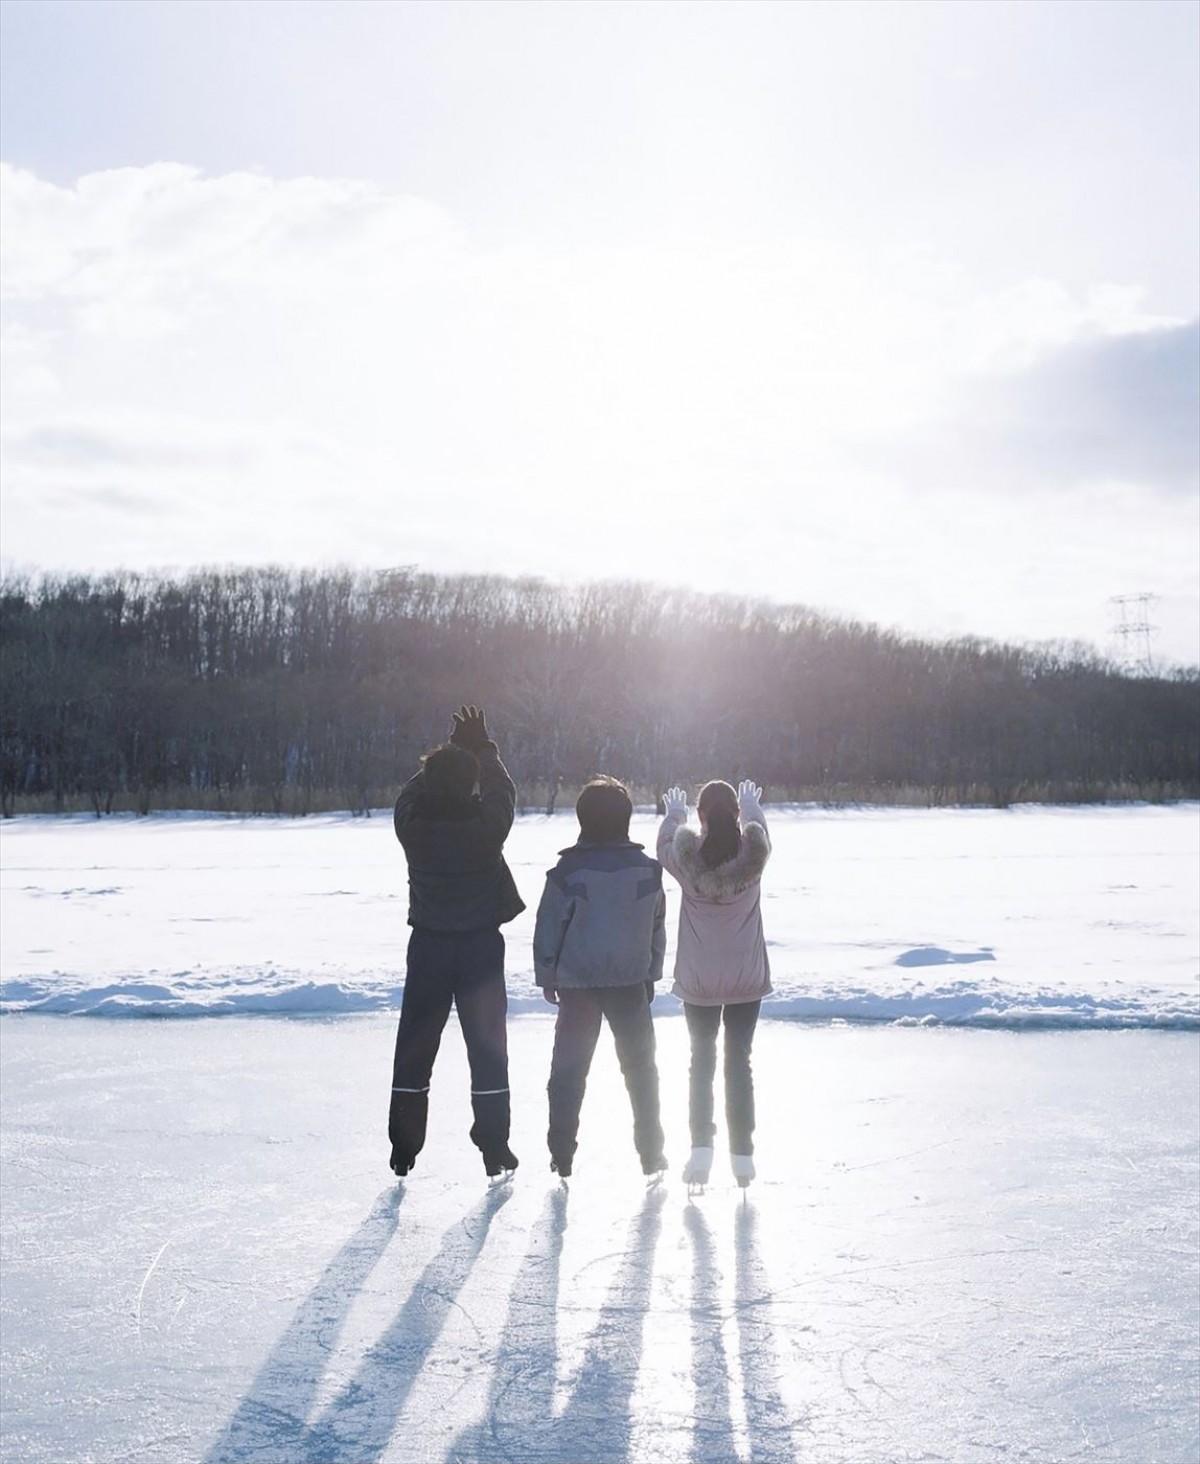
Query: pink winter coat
721	954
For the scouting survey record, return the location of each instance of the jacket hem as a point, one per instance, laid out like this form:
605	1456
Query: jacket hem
736	1000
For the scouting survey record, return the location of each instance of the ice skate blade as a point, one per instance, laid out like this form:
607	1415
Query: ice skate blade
504	1177
696	1187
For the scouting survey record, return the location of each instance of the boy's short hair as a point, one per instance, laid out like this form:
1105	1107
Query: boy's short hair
451	771
604	808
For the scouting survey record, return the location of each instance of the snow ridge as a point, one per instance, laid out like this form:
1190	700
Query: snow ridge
1023	918
962	1003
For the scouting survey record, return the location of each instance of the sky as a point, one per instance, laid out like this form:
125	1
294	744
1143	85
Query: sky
890	309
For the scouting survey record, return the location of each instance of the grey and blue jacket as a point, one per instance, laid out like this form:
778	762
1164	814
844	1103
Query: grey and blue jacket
602	918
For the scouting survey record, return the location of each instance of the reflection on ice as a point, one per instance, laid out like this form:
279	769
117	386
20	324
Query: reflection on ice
272	1419
767	1422
961	1245
519	1417
595	1423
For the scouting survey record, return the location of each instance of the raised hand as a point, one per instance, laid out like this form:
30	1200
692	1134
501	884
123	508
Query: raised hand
470	729
749	806
675	803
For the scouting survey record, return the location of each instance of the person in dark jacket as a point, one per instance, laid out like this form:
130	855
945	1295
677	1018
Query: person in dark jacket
598	949
460	892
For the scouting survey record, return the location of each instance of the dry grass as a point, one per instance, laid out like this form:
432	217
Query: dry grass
535	798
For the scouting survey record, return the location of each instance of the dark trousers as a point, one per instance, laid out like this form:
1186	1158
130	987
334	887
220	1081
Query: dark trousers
703	1023
466	970
627	1011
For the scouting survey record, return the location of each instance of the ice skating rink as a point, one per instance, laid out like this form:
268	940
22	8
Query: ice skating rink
964	1246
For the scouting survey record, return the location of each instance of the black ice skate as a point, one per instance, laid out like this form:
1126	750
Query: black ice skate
655	1167
500	1163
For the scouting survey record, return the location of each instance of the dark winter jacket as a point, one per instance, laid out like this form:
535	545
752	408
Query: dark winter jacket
457	877
602	918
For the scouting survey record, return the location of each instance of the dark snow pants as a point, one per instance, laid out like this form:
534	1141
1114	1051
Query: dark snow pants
467	970
627	1011
703	1023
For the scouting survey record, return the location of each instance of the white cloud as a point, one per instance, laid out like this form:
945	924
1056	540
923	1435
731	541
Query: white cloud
1116	408
1101	409
317	368
1012	329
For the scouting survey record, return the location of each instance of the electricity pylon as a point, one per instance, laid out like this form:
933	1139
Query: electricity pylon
1133	630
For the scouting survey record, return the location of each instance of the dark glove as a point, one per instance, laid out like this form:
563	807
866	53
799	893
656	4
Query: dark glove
649	991
470	730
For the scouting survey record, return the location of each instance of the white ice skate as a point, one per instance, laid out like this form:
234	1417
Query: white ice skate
743	1168
696	1170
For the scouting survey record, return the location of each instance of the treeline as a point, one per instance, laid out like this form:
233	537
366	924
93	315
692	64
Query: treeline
295	690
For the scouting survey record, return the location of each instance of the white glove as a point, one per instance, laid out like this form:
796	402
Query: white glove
748	805
675	802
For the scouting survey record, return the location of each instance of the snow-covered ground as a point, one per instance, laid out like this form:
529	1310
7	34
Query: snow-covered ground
1032	916
963	1246
975	1236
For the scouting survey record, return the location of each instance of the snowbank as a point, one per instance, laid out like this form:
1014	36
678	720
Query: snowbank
1032	917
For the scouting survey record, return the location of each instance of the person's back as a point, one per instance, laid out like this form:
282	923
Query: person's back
721	953
460	892
600	931
722	971
454	840
598	949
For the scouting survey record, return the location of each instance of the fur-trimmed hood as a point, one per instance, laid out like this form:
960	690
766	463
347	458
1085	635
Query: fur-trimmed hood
727	880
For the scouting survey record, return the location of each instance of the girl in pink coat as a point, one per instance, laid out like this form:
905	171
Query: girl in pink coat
721	967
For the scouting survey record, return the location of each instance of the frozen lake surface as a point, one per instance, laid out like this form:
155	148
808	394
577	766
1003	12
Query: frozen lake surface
963	1245
1017	918
975	1236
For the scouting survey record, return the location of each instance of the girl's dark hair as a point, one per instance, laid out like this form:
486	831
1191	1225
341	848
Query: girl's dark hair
723	838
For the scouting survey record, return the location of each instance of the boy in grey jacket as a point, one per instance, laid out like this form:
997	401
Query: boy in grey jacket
598	949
